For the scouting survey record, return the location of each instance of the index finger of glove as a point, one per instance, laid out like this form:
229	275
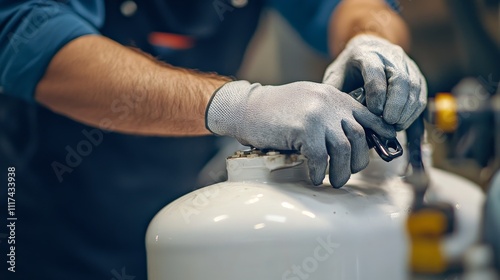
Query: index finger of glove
398	93
375	81
317	159
359	147
377	124
339	149
418	92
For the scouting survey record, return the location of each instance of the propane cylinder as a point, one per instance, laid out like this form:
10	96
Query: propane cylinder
268	222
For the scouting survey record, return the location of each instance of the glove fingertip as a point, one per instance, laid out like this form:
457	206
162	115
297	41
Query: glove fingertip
316	176
376	123
390	117
400	127
358	166
338	181
375	109
384	129
317	172
388	131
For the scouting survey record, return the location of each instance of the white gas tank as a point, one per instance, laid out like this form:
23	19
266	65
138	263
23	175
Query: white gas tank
268	222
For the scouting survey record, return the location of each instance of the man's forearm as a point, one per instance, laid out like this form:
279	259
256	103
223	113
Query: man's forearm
99	82
353	17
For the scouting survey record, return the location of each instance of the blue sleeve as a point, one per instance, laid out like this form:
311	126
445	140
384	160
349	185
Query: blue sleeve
32	32
311	17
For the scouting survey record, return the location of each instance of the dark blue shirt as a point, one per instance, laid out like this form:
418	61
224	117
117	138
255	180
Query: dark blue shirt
83	196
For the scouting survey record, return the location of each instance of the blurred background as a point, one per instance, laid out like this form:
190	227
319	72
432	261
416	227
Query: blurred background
451	40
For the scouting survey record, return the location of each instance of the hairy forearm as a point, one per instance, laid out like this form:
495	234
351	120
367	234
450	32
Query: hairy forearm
101	83
353	17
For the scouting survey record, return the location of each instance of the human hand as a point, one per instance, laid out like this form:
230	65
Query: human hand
395	87
316	119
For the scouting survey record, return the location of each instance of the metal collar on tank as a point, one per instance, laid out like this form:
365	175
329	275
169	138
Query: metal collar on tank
267	166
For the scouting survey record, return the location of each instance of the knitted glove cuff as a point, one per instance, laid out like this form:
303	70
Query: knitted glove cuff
224	110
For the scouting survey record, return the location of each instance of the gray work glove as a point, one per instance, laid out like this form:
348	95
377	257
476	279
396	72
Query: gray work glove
316	119
395	87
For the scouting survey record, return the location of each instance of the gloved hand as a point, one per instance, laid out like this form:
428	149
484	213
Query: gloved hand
395	87
316	119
